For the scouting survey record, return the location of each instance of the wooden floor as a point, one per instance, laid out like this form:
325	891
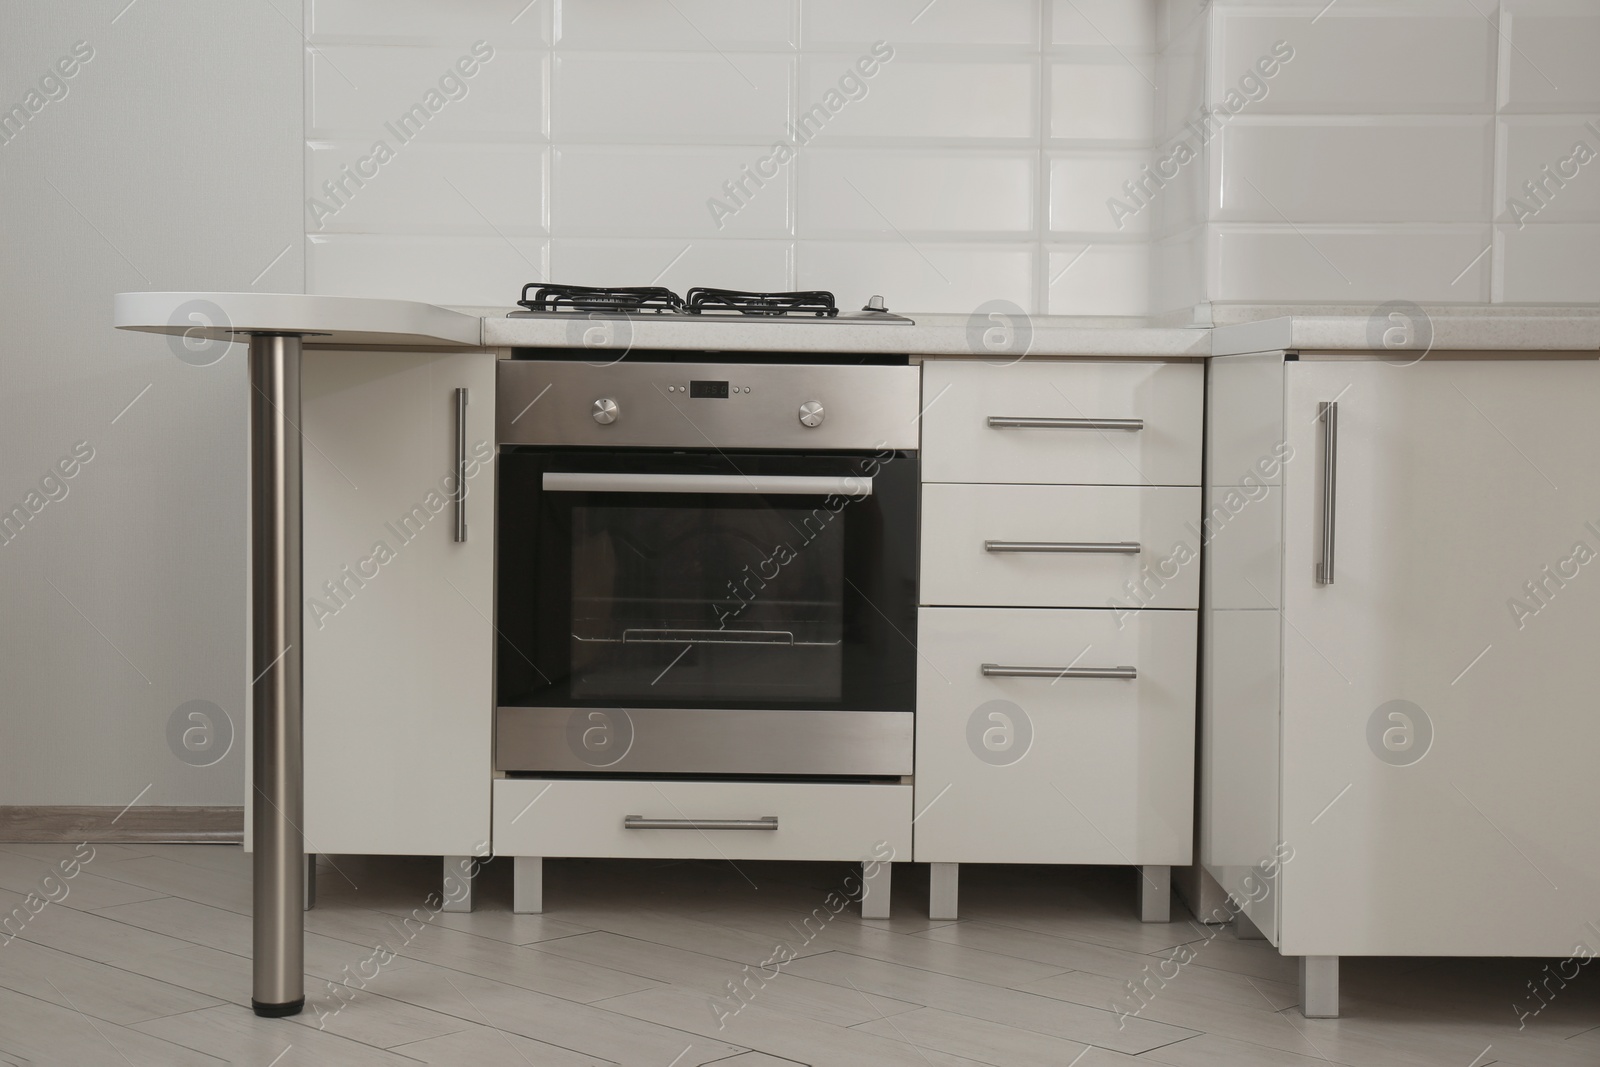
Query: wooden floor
145	960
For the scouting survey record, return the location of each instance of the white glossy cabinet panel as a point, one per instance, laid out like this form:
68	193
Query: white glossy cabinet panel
398	643
1055	770
1461	821
815	821
1003	545
960	445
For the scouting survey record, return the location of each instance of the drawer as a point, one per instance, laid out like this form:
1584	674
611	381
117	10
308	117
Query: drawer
815	821
1055	769
1160	404
1078	546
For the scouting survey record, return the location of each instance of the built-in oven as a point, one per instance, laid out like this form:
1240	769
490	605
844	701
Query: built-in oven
706	569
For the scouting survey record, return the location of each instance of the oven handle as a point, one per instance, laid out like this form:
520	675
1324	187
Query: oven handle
754	484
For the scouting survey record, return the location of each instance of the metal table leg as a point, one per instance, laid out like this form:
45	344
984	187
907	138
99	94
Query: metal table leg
278	864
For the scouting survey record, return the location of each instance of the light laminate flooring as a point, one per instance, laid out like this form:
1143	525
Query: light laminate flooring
145	961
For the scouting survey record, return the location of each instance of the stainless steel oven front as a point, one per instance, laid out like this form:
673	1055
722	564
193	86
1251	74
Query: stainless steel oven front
706	569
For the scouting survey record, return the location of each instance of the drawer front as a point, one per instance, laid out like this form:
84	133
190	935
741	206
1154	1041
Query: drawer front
959	443
1078	546
564	817
1059	769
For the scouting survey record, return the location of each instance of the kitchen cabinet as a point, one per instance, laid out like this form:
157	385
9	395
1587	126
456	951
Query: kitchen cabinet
1057	639
1402	602
398	639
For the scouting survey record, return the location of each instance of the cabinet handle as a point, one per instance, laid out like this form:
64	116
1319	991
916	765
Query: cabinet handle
1116	548
461	465
1018	422
1328	413
640	822
995	670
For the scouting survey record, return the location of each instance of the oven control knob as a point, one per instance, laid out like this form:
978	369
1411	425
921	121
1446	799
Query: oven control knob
605	411
811	414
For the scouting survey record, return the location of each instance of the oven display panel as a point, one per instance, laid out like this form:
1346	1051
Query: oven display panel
708	390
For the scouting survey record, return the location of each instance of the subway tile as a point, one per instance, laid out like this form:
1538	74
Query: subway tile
1545	263
1084	185
857	193
424	188
459	270
677	264
1353	170
1178	271
920	277
908	98
699	25
1129	25
1549	151
1181	82
1408	60
1550	61
503	23
1178	188
665	98
852	24
679	192
1105	101
1099	279
397	93
1349	264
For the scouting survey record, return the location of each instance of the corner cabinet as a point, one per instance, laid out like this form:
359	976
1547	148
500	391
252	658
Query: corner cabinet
1403	597
398	637
1057	637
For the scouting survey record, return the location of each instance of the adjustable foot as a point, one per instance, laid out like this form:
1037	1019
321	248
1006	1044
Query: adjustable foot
944	883
1319	987
875	889
527	885
1155	894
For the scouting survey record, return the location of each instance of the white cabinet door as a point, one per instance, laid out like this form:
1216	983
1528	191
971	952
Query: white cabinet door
398	642
1439	698
1054	769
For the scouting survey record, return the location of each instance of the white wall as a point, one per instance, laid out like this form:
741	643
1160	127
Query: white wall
976	167
170	163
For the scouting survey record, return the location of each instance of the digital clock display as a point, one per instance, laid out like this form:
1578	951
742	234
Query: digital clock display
708	390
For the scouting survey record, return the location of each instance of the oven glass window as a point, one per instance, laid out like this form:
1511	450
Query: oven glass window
738	601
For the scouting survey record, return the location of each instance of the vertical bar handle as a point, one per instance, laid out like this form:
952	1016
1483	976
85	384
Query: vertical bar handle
461	465
1328	414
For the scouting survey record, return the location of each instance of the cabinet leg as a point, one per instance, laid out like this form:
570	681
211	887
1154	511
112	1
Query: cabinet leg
458	872
1319	987
311	880
1155	894
944	883
875	889
527	885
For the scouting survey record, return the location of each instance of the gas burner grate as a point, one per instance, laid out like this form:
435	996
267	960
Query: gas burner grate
818	303
572	298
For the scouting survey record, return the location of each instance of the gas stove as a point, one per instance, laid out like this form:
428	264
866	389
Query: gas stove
657	303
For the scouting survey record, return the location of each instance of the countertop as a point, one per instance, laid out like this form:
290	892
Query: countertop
329	321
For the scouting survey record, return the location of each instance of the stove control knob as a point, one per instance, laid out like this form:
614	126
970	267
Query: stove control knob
605	411
811	414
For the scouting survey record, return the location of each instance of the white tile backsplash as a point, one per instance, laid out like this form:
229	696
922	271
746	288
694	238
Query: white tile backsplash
1326	170
596	192
1367	59
400	92
669	98
1350	264
964	23
877	193
1551	61
914	98
945	154
691	25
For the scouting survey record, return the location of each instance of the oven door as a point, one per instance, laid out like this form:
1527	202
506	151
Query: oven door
706	613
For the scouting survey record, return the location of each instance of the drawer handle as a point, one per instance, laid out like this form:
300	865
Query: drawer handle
640	822
1018	422
996	670
1115	548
